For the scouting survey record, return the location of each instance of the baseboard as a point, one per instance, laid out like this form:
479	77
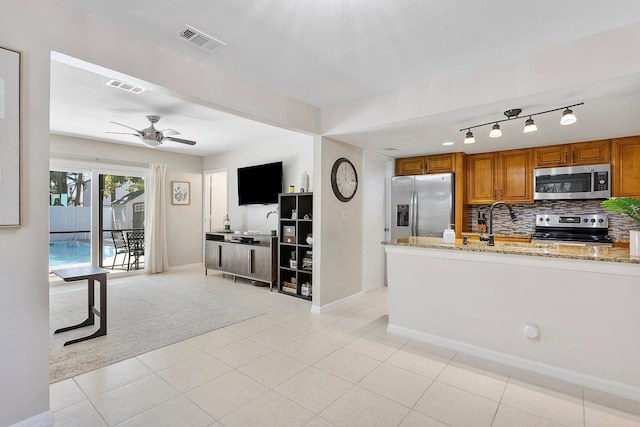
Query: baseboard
186	266
608	386
336	304
44	419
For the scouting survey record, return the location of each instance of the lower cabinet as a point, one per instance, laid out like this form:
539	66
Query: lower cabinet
254	261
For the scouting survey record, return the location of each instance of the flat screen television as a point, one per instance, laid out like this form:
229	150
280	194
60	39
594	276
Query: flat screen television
259	184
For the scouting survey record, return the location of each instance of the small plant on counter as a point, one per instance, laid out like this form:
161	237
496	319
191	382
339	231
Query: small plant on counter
272	212
627	206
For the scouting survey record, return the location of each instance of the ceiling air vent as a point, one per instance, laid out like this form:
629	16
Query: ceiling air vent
125	86
199	39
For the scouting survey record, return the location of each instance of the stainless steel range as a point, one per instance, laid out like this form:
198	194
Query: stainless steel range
573	229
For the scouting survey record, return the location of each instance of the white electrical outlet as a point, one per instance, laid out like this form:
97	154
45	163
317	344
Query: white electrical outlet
174	256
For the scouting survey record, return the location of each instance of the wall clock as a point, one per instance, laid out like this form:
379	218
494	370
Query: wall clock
344	179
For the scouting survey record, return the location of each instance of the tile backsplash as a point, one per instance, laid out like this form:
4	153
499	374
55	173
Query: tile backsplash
618	226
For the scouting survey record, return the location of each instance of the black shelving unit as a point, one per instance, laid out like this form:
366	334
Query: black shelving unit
296	223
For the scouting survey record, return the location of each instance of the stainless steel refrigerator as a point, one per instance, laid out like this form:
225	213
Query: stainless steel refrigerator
422	205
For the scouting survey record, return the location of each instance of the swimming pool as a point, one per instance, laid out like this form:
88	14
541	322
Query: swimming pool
64	252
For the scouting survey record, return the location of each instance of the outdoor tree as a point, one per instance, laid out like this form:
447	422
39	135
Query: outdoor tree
113	182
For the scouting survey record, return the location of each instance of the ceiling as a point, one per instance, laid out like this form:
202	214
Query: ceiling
335	52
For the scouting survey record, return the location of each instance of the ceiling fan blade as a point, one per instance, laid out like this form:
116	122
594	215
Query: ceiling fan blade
169	132
180	140
124	133
129	127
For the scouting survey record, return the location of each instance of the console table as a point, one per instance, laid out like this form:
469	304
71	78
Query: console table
91	274
252	257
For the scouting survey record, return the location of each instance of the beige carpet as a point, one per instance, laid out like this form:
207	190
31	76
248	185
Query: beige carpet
143	315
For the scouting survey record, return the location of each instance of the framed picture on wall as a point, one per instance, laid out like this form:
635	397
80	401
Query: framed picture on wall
10	161
180	193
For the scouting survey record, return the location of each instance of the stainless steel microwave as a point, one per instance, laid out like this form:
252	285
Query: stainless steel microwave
572	182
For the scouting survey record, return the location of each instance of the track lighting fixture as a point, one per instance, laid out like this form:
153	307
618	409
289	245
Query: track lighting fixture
495	131
469	139
568	118
530	126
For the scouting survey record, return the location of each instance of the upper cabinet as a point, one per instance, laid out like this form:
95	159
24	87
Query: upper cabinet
580	153
440	163
437	163
504	175
410	166
625	166
482	176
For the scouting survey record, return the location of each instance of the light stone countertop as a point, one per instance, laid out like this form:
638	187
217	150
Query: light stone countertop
552	250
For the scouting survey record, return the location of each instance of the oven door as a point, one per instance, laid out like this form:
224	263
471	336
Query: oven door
577	182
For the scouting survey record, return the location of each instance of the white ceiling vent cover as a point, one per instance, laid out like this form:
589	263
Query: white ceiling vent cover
125	86
199	39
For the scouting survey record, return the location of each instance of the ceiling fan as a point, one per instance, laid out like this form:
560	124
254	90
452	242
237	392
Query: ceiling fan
151	137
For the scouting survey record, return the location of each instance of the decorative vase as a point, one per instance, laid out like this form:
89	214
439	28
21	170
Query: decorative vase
634	242
309	240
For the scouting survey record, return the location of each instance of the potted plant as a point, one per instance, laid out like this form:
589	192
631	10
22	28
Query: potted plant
627	206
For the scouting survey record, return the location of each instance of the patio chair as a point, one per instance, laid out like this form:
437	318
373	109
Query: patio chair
135	244
119	246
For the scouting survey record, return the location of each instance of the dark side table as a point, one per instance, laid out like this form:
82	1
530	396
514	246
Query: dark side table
91	274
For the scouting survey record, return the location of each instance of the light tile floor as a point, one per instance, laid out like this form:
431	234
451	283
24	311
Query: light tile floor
292	368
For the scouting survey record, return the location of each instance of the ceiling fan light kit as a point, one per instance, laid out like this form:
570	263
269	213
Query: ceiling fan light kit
151	137
568	118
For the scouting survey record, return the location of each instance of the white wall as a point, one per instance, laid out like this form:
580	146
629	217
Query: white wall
184	230
376	175
338	252
296	154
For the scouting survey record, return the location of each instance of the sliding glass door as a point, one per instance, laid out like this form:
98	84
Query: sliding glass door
69	218
93	208
122	216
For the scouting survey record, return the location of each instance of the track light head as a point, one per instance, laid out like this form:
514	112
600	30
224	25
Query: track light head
568	118
469	139
530	126
495	131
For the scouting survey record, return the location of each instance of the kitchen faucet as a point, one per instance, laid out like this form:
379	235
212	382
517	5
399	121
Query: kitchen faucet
489	239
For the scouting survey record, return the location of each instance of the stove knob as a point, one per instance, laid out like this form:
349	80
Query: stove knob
593	220
547	219
600	220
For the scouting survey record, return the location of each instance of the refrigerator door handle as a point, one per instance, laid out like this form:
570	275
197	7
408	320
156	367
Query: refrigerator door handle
414	213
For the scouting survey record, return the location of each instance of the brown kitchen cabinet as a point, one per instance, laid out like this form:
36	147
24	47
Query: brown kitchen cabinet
440	163
410	166
504	175
579	153
436	163
625	166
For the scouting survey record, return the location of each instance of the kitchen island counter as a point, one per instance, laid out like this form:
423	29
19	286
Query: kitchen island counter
550	250
477	299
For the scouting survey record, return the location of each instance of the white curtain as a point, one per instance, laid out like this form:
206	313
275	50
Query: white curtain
156	255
